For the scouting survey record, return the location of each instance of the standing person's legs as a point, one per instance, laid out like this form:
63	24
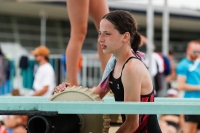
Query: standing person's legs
97	9
190	125
78	11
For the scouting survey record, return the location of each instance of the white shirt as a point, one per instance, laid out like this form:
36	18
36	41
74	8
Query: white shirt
194	67
44	76
155	60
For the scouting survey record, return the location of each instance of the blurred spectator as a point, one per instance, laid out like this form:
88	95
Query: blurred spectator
189	81
196	64
170	123
172	76
2	68
44	81
13	124
80	60
157	70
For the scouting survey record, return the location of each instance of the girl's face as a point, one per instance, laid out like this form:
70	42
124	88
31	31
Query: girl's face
109	38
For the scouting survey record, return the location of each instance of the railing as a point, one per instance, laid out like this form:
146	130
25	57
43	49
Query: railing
90	74
91	71
160	106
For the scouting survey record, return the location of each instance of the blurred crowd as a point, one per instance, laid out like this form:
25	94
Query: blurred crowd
187	74
43	83
170	80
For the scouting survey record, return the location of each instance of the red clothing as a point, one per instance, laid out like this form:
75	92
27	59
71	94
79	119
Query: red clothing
143	119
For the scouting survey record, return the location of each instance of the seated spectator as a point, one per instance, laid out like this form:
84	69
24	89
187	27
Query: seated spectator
171	123
14	124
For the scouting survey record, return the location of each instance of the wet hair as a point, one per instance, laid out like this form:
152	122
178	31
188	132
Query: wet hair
124	22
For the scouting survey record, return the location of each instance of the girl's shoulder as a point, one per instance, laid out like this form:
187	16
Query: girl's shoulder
135	66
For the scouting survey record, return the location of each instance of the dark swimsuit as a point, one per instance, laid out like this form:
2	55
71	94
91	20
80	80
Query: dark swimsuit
147	123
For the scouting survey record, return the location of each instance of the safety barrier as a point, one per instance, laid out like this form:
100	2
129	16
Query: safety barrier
160	106
62	116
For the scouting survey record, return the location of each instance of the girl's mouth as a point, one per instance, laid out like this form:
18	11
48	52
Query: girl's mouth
103	46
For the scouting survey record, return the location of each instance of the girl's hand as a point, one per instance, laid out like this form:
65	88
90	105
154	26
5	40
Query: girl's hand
61	87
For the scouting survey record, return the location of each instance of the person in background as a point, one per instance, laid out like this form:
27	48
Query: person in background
171	123
157	71
172	76
80	64
44	81
189	81
15	124
196	65
78	11
2	68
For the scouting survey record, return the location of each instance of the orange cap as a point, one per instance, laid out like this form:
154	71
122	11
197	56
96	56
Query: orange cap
41	50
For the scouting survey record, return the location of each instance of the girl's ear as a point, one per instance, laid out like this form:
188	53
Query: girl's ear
126	37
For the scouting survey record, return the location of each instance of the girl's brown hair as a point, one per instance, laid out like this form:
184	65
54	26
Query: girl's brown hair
124	22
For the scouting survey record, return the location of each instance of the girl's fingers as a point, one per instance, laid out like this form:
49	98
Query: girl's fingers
56	89
67	84
61	87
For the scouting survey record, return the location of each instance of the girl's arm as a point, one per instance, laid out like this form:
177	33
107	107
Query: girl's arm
131	79
97	89
100	92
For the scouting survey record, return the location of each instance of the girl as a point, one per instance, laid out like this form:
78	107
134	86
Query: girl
128	78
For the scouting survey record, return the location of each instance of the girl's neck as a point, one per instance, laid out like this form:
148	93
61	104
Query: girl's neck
122	54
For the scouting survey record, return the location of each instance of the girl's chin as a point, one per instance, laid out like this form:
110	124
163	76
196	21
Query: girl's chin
106	52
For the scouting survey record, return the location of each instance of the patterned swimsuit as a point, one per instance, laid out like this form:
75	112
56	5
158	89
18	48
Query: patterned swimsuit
147	123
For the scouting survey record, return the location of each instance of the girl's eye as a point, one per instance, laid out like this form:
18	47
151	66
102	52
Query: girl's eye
105	34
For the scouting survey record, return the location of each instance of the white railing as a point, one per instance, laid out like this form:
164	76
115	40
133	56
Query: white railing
91	70
90	74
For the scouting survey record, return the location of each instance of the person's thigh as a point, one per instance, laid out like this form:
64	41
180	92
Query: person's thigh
171	129
20	129
78	11
97	9
163	126
190	125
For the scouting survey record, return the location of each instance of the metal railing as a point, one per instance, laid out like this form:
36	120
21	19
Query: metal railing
160	106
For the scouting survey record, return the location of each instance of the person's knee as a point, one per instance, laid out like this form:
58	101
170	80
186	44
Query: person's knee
79	32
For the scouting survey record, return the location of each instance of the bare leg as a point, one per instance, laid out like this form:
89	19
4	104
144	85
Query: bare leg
190	127
78	11
171	129
163	126
19	129
97	9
